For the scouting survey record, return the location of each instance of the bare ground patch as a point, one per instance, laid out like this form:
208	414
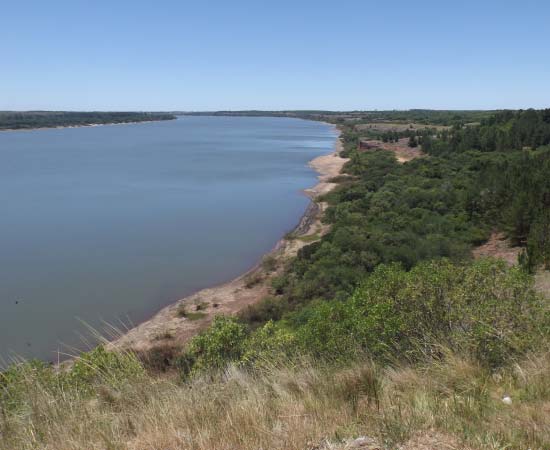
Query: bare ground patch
498	247
401	149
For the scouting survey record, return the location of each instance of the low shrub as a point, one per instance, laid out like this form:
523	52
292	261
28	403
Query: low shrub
183	311
485	310
214	348
252	279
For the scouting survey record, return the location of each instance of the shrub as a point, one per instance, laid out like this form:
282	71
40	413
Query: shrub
269	308
329	331
183	311
485	309
269	343
221	343
161	357
269	263
252	279
19	380
101	366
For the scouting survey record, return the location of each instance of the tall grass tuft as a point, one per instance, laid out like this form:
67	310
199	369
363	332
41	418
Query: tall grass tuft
280	406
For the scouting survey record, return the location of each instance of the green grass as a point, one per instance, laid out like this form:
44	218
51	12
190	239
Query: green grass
310	237
183	311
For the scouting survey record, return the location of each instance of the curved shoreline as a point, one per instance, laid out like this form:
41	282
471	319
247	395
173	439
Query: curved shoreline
168	326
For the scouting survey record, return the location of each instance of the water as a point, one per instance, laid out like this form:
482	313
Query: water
110	223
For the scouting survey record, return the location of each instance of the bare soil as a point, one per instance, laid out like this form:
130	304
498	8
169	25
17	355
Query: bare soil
498	247
401	149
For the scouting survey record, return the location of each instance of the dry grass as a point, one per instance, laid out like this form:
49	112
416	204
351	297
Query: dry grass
455	404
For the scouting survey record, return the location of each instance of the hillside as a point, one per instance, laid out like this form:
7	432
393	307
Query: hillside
383	331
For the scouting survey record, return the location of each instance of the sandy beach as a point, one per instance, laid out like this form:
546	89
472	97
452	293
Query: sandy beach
170	326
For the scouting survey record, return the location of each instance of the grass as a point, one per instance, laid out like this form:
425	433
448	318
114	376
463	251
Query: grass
253	279
290	407
310	237
269	263
198	314
164	336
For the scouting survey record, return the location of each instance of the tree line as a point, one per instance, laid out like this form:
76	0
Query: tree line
50	119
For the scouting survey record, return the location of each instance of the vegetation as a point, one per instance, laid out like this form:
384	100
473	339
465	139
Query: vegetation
12	120
483	310
383	327
195	314
423	116
503	132
449	402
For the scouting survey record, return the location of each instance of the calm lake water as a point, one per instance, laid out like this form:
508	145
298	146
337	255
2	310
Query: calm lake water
110	223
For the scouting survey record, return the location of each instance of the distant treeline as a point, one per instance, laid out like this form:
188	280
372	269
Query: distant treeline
422	116
11	120
502	132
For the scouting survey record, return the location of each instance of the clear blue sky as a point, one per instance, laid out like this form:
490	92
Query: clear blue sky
209	55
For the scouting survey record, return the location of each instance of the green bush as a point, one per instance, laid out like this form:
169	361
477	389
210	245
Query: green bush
214	348
266	309
484	309
90	372
269	343
100	366
19	379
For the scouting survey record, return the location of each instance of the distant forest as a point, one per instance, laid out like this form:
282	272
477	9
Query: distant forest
15	120
422	116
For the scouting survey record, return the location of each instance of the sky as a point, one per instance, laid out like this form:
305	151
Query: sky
272	55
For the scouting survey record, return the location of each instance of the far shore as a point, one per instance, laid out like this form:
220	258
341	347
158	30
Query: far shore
171	326
83	125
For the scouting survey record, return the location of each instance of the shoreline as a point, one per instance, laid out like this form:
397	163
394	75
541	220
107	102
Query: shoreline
169	327
87	125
